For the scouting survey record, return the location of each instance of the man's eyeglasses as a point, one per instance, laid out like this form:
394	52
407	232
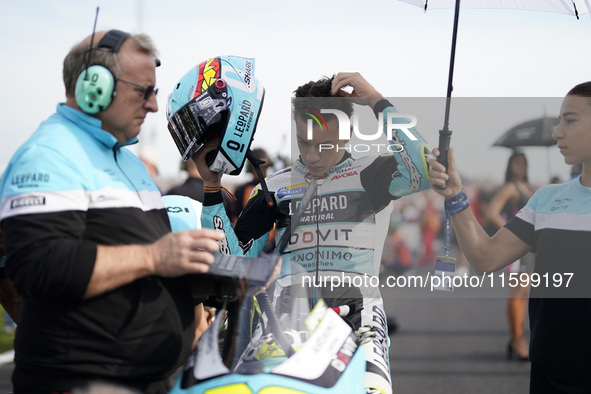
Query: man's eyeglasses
147	90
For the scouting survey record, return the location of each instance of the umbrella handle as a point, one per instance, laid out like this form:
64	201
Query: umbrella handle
444	139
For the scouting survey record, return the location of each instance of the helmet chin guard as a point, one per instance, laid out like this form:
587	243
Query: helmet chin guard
219	98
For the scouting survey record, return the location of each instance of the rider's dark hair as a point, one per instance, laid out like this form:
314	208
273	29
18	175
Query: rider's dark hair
316	95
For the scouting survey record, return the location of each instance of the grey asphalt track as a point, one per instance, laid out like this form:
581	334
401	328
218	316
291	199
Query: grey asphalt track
453	346
5	372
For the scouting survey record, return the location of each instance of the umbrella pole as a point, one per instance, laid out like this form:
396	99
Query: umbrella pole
445	133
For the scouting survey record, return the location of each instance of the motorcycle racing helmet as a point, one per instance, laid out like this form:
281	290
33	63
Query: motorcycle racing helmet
219	98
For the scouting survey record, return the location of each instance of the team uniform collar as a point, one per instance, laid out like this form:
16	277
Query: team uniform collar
91	126
301	168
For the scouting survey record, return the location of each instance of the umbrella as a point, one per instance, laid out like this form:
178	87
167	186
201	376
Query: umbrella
569	7
573	7
536	132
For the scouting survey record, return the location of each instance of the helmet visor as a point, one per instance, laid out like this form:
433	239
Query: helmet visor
196	121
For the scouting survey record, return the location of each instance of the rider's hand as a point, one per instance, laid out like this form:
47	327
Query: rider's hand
185	252
363	93
438	177
210	178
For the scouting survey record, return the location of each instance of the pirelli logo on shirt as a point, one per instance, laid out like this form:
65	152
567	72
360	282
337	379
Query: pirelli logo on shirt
28	201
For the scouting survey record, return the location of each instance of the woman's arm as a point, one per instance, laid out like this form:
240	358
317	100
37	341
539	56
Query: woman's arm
484	253
507	193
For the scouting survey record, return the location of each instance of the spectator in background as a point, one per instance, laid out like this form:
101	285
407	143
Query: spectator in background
505	204
151	159
396	255
430	226
480	205
193	185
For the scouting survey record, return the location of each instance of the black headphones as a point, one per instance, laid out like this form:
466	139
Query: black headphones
95	86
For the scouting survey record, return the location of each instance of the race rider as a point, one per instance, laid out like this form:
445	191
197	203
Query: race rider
337	235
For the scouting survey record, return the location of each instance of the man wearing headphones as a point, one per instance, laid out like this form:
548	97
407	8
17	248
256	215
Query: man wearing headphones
88	240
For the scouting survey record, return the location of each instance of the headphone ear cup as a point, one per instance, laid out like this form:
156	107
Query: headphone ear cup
95	89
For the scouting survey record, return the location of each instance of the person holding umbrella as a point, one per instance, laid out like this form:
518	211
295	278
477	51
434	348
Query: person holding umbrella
554	223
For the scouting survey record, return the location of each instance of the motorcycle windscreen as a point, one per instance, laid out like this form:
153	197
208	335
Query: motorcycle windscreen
285	337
